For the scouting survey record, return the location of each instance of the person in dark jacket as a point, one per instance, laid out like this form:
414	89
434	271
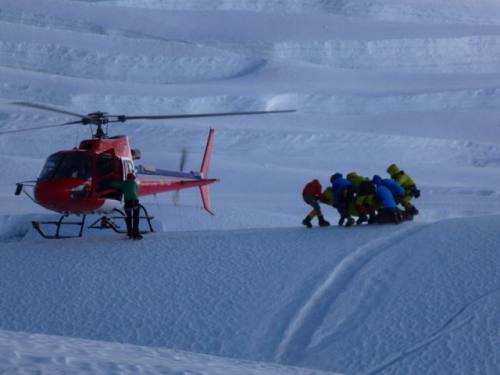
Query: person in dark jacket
130	191
311	195
343	194
364	189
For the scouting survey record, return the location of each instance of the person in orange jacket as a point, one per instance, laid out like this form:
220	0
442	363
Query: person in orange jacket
311	195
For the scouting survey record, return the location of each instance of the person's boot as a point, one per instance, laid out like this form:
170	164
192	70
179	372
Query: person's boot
396	218
413	211
323	222
307	222
350	222
128	222
342	221
407	216
137	236
361	219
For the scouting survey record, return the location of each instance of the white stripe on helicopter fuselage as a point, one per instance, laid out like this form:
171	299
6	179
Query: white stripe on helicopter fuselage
109	206
163	182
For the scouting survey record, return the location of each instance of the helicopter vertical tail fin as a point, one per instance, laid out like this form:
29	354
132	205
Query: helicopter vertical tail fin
208	153
204	171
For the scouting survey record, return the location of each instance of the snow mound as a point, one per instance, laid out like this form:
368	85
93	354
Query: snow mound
282	6
349	300
426	11
422	11
95	56
14	228
472	54
44	354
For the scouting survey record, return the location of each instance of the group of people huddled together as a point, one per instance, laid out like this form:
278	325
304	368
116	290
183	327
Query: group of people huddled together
372	201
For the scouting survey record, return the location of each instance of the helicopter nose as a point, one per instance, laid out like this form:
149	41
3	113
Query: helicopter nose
61	195
79	192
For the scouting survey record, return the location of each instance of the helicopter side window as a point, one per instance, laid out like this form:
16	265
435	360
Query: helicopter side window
105	165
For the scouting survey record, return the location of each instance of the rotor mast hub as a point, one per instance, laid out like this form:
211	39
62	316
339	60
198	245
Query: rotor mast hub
98	119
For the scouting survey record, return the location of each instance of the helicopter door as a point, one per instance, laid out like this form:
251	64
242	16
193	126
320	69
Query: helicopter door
108	168
128	167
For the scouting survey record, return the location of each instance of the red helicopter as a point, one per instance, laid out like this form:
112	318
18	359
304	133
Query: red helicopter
78	181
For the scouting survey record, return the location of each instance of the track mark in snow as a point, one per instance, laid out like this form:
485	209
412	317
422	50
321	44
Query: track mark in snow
303	326
447	328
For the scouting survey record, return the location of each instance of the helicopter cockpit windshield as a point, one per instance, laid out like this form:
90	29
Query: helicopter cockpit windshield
67	165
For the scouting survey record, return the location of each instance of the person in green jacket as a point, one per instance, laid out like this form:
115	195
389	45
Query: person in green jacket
410	188
130	191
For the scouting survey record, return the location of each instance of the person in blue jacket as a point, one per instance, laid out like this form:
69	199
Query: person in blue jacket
343	193
396	189
386	190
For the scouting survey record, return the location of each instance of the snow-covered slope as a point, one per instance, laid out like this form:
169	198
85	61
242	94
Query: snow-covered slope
374	82
398	299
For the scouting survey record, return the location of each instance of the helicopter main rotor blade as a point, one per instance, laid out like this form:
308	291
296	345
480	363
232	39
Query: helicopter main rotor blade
167	117
47	108
39	127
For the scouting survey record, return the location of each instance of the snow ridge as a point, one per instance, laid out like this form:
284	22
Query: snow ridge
446	329
308	319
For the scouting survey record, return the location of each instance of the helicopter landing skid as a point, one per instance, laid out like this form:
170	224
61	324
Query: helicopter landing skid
104	222
37	225
109	222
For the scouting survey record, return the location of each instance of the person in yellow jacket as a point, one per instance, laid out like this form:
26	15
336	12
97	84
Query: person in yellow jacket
363	201
369	204
408	184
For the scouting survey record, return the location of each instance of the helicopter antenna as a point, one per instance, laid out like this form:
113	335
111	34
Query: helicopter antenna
77	137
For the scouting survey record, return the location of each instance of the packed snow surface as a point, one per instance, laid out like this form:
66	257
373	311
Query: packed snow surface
250	291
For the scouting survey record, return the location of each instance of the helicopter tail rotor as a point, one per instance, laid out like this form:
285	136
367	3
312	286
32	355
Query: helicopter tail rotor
203	174
177	193
184	155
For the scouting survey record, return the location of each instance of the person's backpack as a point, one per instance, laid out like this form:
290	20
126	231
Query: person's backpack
366	188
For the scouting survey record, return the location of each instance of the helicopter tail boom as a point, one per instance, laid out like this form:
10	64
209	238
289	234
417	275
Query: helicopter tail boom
180	180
